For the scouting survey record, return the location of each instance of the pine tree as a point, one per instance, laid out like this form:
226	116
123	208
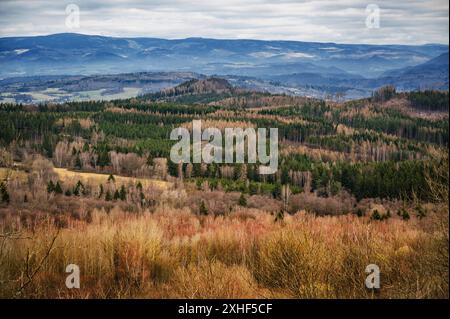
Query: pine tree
202	209
197	172
47	146
4	195
123	193
101	191
421	213
58	189
142	198
359	212
242	200
79	188
50	187
78	164
108	196
103	157
376	215
279	217
277	190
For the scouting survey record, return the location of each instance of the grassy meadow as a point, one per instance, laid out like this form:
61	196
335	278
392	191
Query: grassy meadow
172	253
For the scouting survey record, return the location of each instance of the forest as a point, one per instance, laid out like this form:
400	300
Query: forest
92	166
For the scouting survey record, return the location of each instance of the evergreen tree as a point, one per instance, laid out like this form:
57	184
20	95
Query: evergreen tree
202	209
101	191
142	198
4	195
376	215
197	170
108	196
123	193
47	146
276	193
242	200
78	164
78	189
58	189
50	187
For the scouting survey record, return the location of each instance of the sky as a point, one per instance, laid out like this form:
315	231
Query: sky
342	21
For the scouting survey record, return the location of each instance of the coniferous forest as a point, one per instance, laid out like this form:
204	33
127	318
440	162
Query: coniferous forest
375	169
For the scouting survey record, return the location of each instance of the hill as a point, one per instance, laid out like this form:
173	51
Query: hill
72	54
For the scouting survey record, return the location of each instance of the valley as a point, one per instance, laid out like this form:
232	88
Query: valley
92	183
72	67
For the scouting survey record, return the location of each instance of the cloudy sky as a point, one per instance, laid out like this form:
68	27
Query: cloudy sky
343	21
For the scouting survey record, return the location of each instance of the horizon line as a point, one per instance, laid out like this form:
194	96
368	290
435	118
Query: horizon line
223	39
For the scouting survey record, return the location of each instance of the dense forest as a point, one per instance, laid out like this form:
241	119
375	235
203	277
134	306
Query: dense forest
358	182
362	146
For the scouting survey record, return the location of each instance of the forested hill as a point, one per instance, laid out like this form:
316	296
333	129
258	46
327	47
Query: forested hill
212	85
376	147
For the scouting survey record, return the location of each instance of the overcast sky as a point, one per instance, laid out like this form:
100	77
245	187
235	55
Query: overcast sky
344	21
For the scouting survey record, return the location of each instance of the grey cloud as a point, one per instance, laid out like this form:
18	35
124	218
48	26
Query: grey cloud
402	22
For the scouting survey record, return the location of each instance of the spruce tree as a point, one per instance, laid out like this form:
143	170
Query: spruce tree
4	195
108	196
50	187
242	200
202	209
58	189
123	193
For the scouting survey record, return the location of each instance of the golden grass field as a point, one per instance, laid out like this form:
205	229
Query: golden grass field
93	178
170	250
12	173
98	178
172	253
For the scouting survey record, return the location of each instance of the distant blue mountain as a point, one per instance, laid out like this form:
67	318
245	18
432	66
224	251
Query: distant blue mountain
77	54
432	74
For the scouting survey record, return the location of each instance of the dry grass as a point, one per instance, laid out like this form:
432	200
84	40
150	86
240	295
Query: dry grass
93	178
174	254
11	173
98	178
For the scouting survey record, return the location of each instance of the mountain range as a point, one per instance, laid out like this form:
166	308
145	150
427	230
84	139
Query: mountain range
355	69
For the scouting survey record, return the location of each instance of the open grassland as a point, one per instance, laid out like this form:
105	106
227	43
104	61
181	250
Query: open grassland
65	174
172	253
12	173
93	178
